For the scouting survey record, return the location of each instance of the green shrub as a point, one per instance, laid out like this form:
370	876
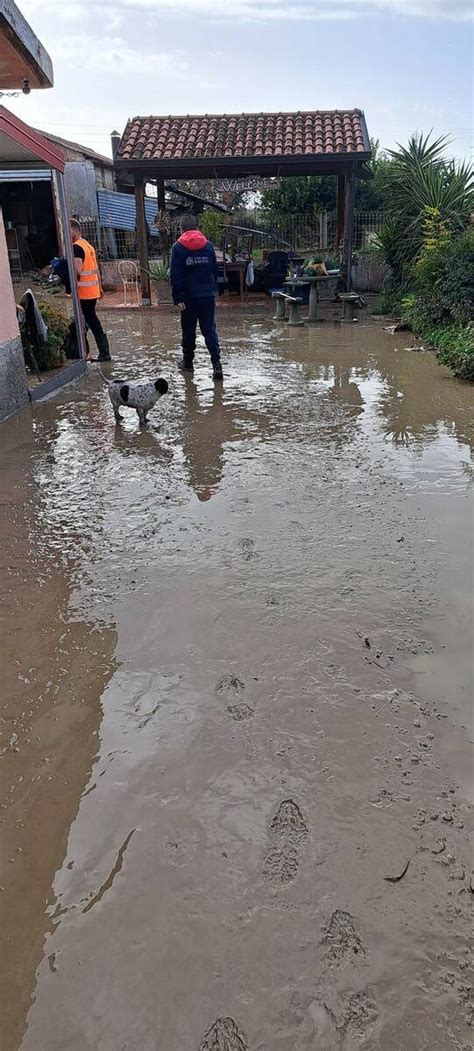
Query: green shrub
443	284
211	226
50	356
389	303
455	349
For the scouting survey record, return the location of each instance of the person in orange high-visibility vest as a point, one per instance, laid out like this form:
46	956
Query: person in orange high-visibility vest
88	287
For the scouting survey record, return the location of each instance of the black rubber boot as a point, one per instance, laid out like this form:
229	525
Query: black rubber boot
185	366
104	351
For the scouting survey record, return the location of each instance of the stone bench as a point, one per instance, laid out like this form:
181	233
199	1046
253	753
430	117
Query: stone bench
282	298
349	301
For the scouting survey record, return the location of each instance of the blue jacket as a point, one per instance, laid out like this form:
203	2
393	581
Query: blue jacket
193	271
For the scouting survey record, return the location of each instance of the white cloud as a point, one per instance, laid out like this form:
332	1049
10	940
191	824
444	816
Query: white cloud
455	10
305	10
114	21
258	10
34	11
112	54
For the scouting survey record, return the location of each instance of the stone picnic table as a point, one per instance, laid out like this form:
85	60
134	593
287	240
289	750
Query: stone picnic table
297	282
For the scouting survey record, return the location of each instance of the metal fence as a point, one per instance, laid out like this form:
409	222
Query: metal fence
116	244
304	233
299	232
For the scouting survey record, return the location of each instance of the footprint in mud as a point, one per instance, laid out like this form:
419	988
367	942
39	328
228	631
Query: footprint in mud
224	1035
230	684
342	938
288	833
247	549
239	712
353	1011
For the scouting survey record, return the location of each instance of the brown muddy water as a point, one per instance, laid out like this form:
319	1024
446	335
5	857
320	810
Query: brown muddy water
236	701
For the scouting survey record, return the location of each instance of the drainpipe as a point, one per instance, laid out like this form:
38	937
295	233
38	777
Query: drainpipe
78	316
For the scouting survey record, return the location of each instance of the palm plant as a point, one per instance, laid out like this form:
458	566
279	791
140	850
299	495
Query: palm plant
158	271
160	275
426	193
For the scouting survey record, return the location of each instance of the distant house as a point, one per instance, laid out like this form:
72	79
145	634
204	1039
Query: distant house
101	199
28	199
86	172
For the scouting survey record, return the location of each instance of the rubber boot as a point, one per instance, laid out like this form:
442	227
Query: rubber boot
104	350
185	366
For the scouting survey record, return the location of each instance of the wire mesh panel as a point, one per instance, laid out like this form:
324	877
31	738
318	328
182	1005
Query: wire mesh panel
305	233
111	243
301	233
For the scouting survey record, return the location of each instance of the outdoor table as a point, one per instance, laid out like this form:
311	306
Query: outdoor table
296	282
239	266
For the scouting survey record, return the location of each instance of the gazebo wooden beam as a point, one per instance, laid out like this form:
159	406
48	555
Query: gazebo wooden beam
241	167
142	239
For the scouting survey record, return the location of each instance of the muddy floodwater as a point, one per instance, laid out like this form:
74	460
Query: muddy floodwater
236	700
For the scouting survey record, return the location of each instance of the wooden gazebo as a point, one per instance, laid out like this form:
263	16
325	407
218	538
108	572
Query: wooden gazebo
321	142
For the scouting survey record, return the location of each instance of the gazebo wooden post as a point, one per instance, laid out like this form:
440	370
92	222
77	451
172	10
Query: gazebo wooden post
160	193
349	200
142	239
163	221
340	200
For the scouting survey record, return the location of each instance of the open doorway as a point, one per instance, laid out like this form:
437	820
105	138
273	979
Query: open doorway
30	221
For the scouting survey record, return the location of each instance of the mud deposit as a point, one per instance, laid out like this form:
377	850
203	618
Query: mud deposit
236	680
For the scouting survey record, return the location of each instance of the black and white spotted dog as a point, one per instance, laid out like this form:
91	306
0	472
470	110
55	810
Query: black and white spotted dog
140	395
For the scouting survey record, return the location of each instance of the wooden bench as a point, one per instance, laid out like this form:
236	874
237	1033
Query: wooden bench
282	298
350	300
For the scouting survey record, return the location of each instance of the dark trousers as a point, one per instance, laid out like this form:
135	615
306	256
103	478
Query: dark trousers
92	321
202	311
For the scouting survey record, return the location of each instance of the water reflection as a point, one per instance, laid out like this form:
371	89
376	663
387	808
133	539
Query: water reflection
346	390
141	442
211	420
54	669
413	396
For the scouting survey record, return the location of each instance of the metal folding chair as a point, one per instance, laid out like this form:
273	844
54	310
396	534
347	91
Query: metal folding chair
129	274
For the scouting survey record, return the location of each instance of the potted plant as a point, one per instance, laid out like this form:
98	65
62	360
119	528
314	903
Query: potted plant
50	355
160	275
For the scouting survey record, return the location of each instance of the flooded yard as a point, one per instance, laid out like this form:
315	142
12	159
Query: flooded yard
236	666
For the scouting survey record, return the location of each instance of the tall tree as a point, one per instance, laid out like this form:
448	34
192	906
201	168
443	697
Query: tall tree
309	194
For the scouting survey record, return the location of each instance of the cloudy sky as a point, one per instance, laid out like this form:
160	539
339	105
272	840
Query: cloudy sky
407	63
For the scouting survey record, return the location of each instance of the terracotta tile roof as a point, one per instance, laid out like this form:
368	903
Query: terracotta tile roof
276	135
